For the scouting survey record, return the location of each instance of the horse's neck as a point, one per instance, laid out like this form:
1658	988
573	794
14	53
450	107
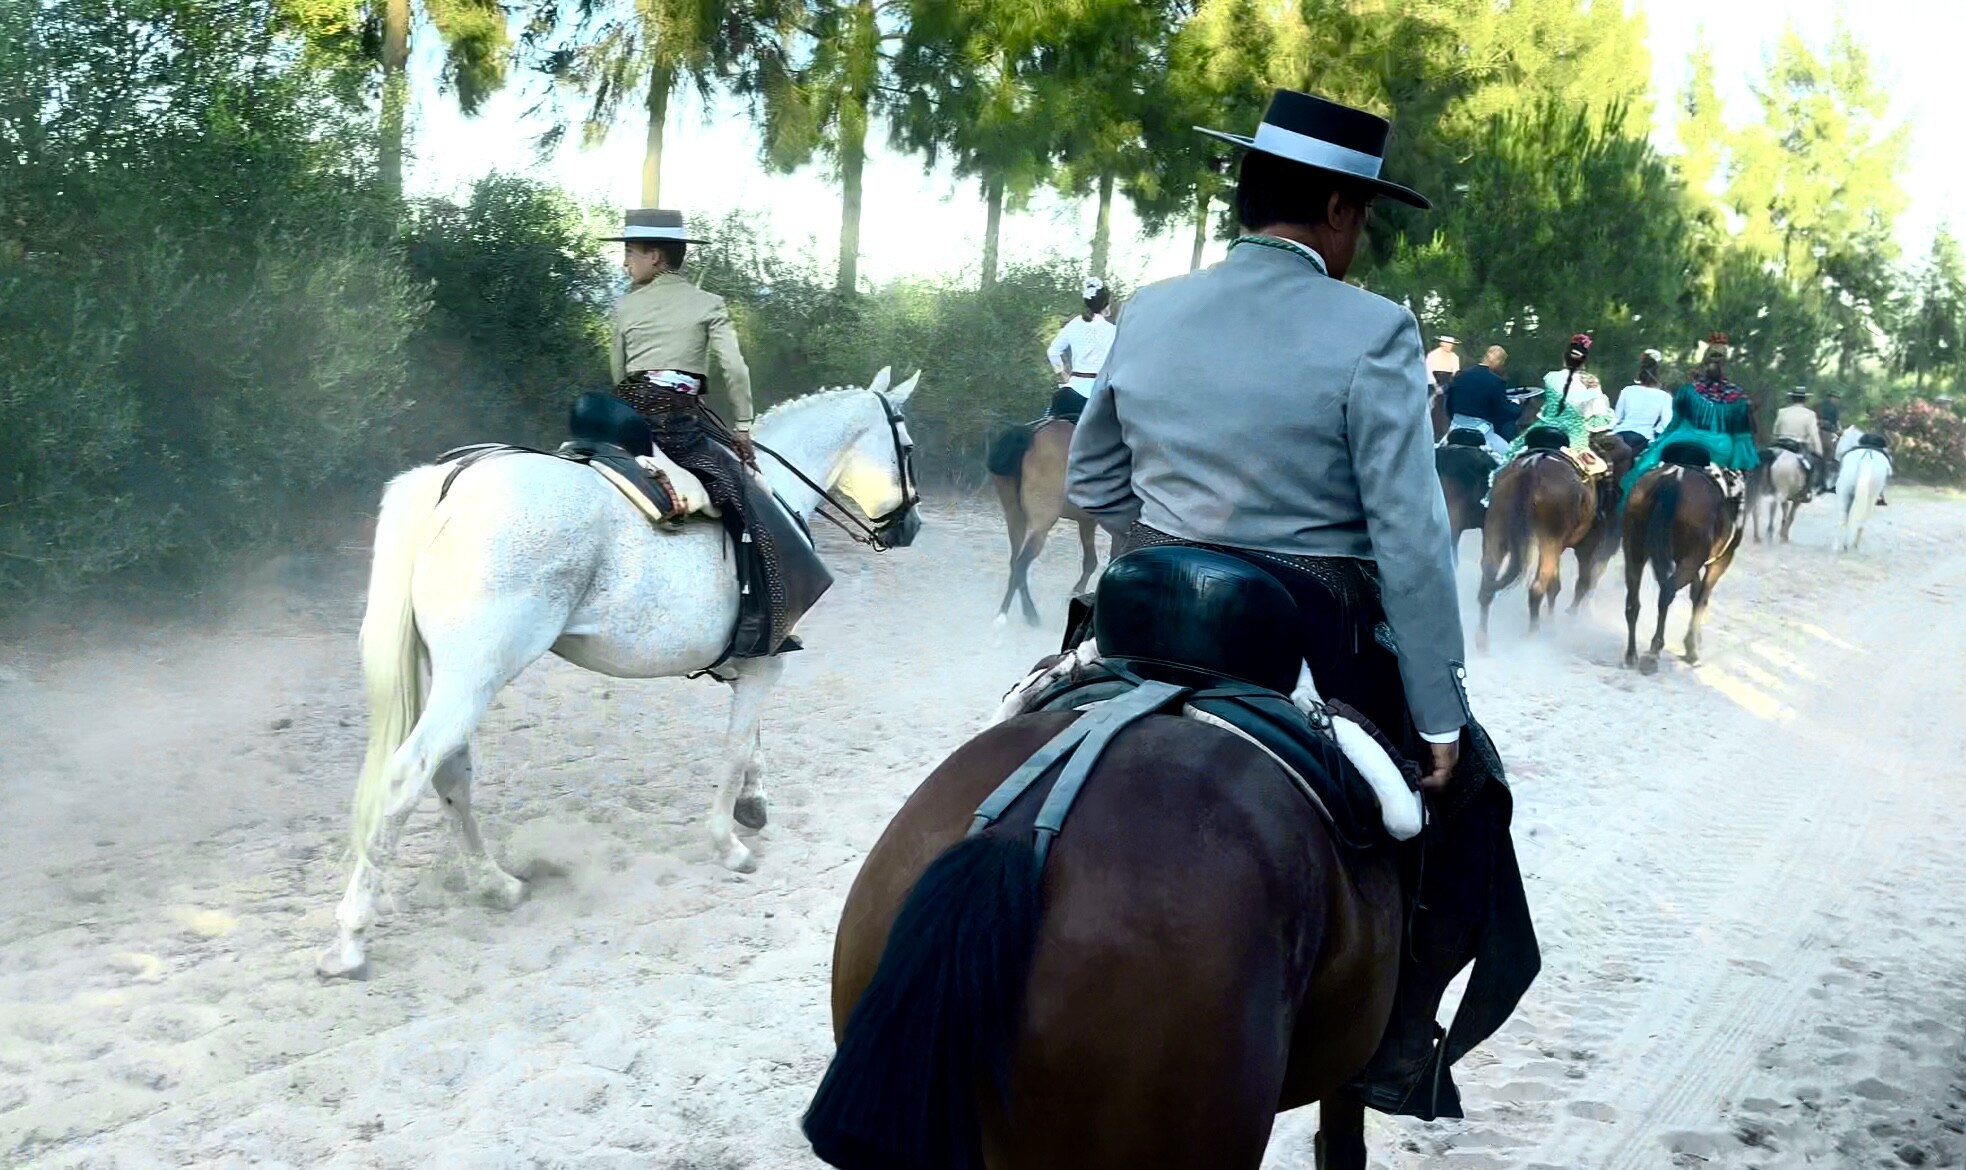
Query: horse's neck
815	440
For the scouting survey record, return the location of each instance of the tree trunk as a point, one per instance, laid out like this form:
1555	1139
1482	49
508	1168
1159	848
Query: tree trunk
395	96
853	161
662	82
992	224
1201	231
861	71
1102	228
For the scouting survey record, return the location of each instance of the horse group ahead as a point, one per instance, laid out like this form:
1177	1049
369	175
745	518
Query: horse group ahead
1678	520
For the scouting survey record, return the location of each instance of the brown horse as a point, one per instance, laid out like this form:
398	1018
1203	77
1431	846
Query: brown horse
1031	489
1540	501
1679	522
1195	956
1464	470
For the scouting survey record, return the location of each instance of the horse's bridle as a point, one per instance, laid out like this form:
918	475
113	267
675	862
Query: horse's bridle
872	532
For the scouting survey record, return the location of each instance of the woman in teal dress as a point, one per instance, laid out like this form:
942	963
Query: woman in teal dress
1712	412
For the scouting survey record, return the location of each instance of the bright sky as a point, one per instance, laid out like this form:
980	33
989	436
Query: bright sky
916	222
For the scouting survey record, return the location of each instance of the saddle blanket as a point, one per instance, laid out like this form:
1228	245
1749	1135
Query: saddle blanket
1588	462
1078	680
658	487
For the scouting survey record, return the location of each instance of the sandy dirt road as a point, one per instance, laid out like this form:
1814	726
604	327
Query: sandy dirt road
1746	877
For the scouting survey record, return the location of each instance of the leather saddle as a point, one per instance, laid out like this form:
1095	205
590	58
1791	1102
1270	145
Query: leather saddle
1220	637
607	435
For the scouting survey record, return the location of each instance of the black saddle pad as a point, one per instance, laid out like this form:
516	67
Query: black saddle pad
1686	454
1329	781
1191	607
1546	439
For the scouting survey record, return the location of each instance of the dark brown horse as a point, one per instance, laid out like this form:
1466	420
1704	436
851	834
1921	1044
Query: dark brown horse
1031	488
1680	523
1541	504
1464	470
1195	956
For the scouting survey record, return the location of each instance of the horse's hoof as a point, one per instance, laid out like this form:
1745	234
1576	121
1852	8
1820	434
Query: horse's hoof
739	859
750	812
1649	664
344	959
1033	620
508	893
1003	619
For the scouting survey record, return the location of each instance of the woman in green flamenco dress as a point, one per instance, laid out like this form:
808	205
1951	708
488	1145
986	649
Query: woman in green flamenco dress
1574	403
1709	411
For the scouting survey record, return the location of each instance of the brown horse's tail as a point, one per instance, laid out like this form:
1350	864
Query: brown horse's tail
1519	516
1659	525
936	1024
1006	454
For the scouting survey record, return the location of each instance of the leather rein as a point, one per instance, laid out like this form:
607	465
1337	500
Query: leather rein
870	530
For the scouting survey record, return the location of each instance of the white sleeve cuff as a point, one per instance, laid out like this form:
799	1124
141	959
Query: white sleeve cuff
1453	736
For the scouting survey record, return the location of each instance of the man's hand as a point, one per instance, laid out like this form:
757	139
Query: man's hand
745	449
1445	756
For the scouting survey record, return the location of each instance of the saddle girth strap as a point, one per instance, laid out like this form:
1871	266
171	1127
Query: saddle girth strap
1080	745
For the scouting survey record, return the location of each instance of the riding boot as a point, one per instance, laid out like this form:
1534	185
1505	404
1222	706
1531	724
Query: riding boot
779	573
1465	905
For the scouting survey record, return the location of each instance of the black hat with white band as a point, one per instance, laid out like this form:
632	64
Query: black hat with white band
654	226
1328	137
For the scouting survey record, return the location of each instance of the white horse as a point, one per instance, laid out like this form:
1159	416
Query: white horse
526	554
1781	491
1862	475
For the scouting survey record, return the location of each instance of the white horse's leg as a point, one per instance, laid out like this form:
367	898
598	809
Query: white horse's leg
453	785
751	682
444	730
752	811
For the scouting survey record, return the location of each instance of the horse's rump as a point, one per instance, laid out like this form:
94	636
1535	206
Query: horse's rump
1191	882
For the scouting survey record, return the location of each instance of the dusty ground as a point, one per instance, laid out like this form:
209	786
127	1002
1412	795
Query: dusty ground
1746	878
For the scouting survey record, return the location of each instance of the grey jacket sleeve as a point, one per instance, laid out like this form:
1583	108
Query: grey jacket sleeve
1391	444
1099	478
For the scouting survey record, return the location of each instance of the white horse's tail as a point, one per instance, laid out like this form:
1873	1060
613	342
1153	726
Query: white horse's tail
392	652
1867	483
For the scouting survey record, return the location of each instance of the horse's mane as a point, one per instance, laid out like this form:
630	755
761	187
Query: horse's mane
793	407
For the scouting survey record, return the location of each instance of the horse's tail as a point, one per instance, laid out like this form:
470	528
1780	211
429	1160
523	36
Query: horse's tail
1519	518
936	1024
392	652
1866	483
1007	450
1659	525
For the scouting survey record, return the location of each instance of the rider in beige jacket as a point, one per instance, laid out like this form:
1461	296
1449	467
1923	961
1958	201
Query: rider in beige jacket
1798	424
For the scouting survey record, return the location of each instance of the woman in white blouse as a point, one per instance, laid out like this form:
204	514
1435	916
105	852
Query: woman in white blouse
1644	410
1089	338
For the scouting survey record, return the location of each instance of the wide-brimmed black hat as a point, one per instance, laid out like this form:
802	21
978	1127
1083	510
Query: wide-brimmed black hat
654	225
1328	137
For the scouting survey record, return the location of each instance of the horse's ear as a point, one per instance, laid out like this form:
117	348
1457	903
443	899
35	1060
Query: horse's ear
900	393
879	384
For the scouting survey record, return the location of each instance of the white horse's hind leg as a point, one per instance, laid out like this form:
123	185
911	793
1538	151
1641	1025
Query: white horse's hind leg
752	811
444	730
453	785
751	682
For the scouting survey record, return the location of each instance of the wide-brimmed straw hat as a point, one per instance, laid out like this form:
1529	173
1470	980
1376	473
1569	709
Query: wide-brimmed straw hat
1325	136
655	225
